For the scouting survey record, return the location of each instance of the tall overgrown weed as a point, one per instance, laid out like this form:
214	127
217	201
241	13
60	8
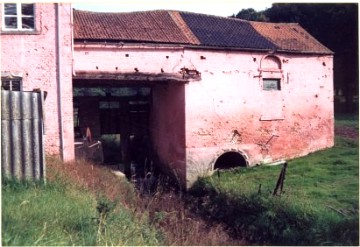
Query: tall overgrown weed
64	213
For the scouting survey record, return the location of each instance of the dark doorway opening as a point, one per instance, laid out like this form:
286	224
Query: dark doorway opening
230	160
114	115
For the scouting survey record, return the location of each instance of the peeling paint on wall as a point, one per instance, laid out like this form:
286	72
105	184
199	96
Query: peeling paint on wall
227	108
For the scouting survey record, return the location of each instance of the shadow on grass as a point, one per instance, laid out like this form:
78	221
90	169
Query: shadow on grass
264	219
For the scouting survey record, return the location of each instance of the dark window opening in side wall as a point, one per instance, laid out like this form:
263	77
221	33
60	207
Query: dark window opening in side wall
271	84
11	84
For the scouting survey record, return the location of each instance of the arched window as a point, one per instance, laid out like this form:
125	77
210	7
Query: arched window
272	84
271	63
271	73
11	81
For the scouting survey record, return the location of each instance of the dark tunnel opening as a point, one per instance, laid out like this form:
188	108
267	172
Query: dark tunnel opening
230	160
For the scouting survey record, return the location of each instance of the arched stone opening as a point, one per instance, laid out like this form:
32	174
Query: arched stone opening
229	160
271	62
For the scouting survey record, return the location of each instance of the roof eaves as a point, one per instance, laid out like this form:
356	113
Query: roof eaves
192	46
127	42
256	50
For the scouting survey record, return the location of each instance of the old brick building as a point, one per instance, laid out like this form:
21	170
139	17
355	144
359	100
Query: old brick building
36	53
209	92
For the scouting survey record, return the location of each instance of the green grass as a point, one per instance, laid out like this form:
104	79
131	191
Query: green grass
319	204
328	177
60	213
348	120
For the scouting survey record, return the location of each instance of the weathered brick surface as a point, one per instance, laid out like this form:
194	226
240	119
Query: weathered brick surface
192	124
273	125
35	55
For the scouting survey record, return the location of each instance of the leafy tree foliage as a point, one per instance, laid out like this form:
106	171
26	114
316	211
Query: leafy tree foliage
334	25
251	15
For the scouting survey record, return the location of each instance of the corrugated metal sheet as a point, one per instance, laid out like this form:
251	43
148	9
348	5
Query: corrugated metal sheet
22	149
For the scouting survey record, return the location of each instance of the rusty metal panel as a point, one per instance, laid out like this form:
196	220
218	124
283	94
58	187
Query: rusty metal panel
22	149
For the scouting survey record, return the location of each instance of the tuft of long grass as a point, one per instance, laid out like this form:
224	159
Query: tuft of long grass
165	211
168	212
52	214
58	213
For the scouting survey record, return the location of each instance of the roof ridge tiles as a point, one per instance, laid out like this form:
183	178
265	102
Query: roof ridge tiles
188	12
121	13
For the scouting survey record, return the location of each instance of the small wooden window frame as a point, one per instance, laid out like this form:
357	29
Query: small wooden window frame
277	86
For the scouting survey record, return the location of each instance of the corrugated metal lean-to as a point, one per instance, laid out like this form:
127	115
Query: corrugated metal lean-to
22	129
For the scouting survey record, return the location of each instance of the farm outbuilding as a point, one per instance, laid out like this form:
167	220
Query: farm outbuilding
211	92
203	92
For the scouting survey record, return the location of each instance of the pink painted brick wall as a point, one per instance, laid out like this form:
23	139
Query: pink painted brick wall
35	55
122	59
228	97
168	127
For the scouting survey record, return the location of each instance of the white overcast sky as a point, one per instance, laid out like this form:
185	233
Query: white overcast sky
212	7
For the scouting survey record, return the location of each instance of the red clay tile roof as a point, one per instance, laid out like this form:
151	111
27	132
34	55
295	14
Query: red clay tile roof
150	26
173	27
289	37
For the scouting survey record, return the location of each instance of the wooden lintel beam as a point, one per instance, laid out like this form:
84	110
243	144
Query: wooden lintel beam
143	77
